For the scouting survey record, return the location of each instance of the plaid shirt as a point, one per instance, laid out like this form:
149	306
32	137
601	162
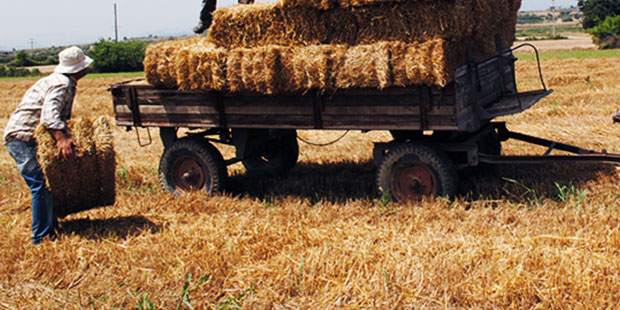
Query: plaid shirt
48	102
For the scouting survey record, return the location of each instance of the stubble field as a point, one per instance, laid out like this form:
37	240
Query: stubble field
520	237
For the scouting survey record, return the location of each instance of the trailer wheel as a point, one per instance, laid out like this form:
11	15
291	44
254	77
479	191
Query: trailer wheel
271	153
411	171
192	165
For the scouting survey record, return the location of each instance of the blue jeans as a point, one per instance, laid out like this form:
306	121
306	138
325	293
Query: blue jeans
44	221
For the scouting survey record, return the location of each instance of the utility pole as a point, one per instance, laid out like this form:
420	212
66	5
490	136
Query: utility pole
553	17
31	41
115	24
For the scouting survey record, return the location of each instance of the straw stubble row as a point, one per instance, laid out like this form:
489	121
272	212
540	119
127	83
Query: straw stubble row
273	69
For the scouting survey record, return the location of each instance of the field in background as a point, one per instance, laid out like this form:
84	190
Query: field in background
570	36
518	237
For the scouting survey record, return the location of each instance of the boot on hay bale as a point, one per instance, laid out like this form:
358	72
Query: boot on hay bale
88	181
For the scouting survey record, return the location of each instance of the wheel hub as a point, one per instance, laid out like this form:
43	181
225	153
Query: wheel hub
413	181
188	174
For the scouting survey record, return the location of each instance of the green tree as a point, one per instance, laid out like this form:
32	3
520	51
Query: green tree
606	34
22	60
596	11
110	56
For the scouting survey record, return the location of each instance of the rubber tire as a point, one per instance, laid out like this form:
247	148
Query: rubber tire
284	153
204	153
436	161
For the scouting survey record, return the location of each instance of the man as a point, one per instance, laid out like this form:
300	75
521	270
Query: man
208	6
48	102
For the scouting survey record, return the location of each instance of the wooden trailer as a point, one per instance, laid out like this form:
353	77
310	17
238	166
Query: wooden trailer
263	127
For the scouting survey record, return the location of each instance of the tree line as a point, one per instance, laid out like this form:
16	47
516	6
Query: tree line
108	56
601	19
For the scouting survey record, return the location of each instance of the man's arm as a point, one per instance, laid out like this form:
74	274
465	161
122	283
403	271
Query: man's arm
52	119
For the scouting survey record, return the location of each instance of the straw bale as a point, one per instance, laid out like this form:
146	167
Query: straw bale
412	21
254	70
265	24
364	66
88	181
330	4
158	59
431	63
201	66
276	69
306	68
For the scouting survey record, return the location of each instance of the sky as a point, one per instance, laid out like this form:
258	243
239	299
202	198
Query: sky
43	23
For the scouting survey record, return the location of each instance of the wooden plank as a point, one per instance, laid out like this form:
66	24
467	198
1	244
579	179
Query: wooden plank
266	121
375	122
180	109
269	110
370	111
442	110
284	100
201	120
387	100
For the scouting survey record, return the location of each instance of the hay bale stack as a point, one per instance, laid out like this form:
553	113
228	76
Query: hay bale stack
271	23
273	69
263	24
411	21
296	46
87	181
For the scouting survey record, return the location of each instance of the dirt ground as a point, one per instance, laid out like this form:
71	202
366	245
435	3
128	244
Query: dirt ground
574	41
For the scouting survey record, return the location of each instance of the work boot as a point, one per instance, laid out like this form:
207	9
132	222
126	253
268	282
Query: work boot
200	28
616	116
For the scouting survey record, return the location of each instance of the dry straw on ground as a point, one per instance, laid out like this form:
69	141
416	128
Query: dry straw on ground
320	238
87	181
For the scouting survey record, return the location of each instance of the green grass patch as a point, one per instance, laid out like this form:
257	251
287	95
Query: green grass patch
578	54
547	30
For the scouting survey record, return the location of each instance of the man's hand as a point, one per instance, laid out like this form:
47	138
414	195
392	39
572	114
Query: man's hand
64	145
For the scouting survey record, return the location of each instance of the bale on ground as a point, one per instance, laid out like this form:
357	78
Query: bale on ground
88	181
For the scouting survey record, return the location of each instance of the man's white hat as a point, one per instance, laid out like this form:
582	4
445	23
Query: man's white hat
72	60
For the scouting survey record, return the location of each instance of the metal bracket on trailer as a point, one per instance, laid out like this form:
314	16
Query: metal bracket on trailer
134	107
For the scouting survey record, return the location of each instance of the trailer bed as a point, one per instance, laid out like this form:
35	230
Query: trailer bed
481	91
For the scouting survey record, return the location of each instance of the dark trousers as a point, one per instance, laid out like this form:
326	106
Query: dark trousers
208	6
